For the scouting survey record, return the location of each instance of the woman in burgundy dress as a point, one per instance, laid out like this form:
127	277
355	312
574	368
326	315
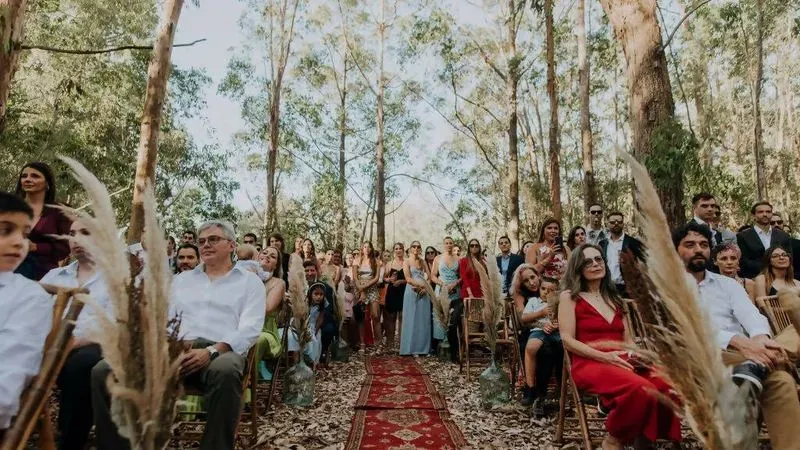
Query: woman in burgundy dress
590	316
37	186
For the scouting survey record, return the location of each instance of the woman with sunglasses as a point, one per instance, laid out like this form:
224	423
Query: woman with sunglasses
591	318
468	268
395	290
415	335
777	274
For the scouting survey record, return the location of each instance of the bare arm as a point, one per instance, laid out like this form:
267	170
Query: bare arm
760	286
275	295
530	317
435	272
566	321
750	287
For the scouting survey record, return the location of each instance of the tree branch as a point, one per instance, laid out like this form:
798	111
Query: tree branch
97	52
689	12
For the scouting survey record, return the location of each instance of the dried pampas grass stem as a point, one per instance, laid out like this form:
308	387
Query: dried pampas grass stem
297	299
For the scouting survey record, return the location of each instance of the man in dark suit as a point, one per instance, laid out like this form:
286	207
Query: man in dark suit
276	240
616	243
705	210
507	262
755	241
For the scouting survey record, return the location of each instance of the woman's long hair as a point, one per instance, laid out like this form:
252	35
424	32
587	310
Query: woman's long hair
47	172
471	259
522	248
516	281
373	262
574	281
278	272
769	276
548	221
312	255
571	236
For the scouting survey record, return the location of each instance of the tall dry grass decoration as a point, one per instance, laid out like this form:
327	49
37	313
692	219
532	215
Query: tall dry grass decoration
686	349
441	306
143	356
297	300
493	303
341	295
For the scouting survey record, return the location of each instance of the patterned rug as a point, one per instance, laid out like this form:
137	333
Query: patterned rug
399	409
399	392
393	365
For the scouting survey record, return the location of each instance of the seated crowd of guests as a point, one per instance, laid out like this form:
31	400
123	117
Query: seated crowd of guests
568	295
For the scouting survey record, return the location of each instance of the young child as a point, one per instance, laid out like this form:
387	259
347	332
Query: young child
315	297
246	260
539	313
27	309
350	325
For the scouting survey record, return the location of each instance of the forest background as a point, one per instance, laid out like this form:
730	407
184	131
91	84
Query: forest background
411	102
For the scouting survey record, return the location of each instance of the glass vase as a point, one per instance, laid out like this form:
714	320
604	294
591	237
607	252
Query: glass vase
340	351
494	385
298	385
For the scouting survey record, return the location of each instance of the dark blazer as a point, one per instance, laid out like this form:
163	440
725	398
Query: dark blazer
795	247
628	243
514	262
753	250
285	267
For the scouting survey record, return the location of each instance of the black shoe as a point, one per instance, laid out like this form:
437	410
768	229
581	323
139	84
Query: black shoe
600	411
528	396
750	372
538	407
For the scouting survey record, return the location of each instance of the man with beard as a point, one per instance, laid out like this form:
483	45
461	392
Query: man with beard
188	258
617	243
74	380
743	334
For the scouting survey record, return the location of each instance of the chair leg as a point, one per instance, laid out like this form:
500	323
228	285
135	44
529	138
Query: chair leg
562	407
254	403
283	353
47	439
581	412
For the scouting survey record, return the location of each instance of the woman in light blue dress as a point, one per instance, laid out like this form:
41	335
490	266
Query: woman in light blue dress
445	276
415	338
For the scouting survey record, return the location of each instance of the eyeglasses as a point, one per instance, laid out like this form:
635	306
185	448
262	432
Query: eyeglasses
596	212
597	259
211	240
778	255
776	222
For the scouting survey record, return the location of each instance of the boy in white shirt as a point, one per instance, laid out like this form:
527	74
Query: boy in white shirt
27	309
537	313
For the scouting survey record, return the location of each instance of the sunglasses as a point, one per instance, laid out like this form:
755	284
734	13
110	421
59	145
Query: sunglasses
474	245
776	222
596	212
615	222
597	259
414	246
429	252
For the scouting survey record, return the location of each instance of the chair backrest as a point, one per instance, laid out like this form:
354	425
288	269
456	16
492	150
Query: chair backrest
776	315
473	309
55	352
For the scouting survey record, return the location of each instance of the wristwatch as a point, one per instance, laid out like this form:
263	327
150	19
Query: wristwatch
213	352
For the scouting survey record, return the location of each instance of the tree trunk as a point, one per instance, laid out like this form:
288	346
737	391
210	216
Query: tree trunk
342	229
157	76
552	93
589	192
512	83
12	30
651	102
758	141
271	213
380	182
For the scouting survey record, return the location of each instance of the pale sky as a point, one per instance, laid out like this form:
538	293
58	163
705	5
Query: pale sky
217	22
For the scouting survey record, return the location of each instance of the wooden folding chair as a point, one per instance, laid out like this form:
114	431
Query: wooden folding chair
283	354
474	335
515	327
33	409
777	316
248	416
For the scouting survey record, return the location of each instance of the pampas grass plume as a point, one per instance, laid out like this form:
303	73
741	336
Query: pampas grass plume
298	286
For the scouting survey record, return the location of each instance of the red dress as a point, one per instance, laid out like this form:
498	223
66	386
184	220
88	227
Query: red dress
635	411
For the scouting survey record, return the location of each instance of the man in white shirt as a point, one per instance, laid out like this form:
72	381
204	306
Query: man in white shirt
27	309
74	381
222	312
595	233
616	243
743	334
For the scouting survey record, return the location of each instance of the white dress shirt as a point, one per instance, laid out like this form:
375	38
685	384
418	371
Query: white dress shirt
729	308
765	236
230	309
26	318
612	258
67	277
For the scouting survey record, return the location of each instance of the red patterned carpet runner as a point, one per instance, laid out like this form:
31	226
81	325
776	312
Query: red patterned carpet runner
399	409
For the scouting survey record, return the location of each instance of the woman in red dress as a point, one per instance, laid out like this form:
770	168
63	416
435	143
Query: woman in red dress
590	316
